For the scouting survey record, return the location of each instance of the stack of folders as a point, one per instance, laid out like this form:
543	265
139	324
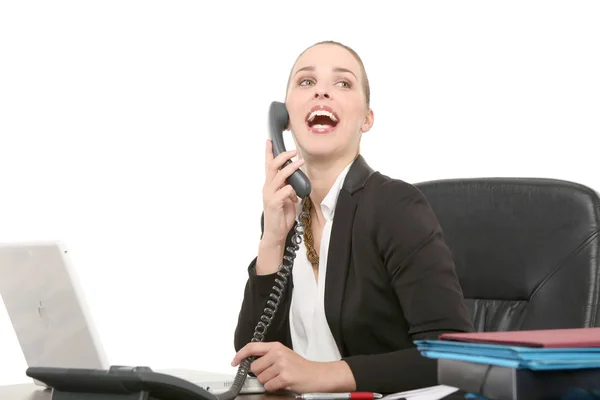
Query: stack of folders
542	364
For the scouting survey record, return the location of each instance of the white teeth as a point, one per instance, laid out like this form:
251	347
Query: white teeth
321	112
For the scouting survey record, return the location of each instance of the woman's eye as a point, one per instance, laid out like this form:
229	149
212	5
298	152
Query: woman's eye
305	82
345	84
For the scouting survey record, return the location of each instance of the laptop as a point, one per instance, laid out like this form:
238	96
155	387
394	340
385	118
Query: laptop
54	327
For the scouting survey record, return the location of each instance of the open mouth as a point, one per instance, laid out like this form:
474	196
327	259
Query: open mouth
321	119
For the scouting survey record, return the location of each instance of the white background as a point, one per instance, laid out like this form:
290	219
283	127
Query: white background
134	132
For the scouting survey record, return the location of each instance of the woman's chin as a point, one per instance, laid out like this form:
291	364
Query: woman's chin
322	152
317	147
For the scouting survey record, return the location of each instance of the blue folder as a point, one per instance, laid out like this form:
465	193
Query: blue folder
512	356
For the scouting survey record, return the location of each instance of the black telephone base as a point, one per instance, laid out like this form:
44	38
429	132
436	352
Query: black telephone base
116	383
59	395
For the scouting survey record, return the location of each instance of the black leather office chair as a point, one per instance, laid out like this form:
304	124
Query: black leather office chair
527	251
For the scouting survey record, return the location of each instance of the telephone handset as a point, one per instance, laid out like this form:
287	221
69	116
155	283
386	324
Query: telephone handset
278	122
141	383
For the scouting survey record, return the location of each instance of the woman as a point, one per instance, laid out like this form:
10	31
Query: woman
373	272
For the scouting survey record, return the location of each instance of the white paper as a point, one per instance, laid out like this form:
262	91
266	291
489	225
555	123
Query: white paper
428	393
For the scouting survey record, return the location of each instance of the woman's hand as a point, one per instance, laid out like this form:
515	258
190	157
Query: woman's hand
279	198
280	368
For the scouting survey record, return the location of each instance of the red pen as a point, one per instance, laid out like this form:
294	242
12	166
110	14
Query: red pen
340	396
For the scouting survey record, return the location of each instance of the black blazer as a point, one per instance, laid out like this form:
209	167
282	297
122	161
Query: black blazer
390	280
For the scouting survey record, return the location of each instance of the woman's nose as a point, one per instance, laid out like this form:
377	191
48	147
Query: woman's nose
319	93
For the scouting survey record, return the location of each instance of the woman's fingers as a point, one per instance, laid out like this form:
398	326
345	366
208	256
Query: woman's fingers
268	153
273	166
267	374
278	199
262	363
284	173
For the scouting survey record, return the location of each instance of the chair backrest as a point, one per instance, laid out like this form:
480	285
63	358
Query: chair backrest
526	250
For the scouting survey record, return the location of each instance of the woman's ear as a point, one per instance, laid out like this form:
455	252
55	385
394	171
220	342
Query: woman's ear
368	122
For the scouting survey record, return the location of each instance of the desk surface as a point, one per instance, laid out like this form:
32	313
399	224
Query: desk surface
33	392
30	391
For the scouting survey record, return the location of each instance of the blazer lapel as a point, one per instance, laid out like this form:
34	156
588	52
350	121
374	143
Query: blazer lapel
338	263
340	247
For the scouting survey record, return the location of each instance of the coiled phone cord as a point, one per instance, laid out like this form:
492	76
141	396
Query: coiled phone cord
285	269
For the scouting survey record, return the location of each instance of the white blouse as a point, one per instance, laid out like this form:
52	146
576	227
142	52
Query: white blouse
311	336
